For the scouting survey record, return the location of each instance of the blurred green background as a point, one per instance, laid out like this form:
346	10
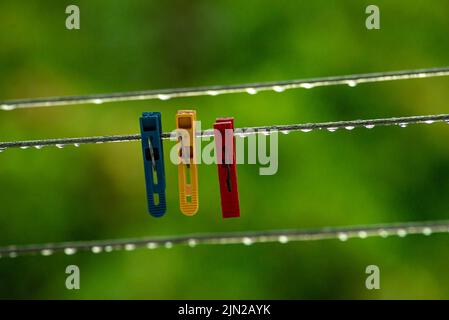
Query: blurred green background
324	179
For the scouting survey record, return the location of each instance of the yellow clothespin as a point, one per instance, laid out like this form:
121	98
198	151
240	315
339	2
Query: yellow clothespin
187	168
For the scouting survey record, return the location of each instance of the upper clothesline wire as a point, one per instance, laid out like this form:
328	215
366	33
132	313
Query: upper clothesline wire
251	88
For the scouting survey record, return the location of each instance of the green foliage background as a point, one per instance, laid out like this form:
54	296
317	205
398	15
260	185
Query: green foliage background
324	179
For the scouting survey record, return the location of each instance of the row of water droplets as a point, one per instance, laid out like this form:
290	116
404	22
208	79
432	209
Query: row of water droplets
249	90
243	134
281	86
39	147
401	232
247	132
404	125
168	96
245	240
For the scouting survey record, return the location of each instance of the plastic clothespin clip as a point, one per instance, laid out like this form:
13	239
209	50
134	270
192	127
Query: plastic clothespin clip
153	162
227	170
187	167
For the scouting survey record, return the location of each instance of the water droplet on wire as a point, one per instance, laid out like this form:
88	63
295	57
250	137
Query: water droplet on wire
69	251
342	236
279	89
96	249
151	245
130	247
369	126
306	85
192	243
363	234
383	233
164	97
47	252
7	107
251	91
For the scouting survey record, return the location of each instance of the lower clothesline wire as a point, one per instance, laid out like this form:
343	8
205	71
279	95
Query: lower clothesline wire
242	132
246	238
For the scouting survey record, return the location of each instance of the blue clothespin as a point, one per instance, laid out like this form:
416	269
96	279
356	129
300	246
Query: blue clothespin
153	162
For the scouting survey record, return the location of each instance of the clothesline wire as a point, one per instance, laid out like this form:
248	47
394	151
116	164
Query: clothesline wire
251	88
246	131
247	238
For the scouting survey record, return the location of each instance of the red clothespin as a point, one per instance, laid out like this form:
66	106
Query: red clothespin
227	170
